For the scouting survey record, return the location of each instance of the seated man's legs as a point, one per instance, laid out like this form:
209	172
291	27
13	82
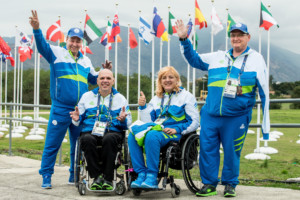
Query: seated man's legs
137	160
154	141
110	143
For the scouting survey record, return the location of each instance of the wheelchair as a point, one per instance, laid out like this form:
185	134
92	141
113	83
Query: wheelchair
81	176
182	155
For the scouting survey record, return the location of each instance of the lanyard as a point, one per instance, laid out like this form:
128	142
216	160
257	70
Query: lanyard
162	107
108	110
242	67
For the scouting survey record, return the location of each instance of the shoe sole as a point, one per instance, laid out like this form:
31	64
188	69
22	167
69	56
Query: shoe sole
206	195
229	195
47	187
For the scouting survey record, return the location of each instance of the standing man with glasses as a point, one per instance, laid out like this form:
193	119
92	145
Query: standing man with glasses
233	78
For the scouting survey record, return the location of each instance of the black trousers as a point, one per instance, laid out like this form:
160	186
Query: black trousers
101	161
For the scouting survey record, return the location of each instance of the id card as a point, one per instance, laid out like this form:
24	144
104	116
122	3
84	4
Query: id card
99	128
230	88
160	121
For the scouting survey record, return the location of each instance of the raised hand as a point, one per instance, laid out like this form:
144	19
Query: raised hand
181	29
34	20
142	99
170	131
107	65
75	114
122	115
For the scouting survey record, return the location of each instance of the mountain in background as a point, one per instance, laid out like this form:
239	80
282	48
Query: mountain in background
284	64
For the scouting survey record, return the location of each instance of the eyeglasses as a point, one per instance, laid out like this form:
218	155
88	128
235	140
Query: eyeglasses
238	35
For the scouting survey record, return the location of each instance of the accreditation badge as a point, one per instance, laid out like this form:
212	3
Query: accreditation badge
160	121
231	88
99	128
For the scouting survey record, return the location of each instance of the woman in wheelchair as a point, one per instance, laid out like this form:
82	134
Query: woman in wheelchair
169	115
102	114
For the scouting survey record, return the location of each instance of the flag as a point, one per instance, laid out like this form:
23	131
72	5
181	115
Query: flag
115	30
25	52
230	22
9	57
54	32
104	41
216	23
132	40
145	31
91	32
199	18
4	47
190	33
158	26
87	50
22	39
266	18
172	21
62	40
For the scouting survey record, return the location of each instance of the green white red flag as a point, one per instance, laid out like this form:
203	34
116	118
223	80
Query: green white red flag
266	18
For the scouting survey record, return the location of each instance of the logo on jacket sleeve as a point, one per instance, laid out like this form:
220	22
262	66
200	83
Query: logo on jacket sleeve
242	126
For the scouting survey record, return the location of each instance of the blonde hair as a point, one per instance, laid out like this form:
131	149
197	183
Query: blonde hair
168	69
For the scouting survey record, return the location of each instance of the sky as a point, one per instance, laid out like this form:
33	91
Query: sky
72	13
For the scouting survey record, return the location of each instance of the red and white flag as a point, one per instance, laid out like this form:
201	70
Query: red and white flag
87	50
25	52
54	32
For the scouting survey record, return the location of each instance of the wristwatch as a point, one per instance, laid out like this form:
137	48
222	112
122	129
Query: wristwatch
183	39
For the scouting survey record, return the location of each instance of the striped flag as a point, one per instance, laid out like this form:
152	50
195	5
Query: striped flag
145	31
199	18
91	32
158	26
172	21
115	30
266	18
54	32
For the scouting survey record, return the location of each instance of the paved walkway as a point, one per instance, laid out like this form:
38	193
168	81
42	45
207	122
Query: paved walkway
19	179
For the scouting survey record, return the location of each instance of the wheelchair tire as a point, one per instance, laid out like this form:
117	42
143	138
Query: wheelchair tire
136	192
77	163
190	163
82	189
175	190
120	188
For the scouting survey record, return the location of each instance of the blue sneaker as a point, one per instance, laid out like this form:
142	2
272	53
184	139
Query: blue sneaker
71	179
150	182
140	179
46	181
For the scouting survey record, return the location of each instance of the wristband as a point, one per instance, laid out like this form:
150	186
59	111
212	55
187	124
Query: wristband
183	39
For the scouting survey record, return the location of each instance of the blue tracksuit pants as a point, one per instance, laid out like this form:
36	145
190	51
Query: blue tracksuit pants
59	122
154	140
231	133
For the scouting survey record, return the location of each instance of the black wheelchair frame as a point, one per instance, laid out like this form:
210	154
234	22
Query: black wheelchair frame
81	176
182	155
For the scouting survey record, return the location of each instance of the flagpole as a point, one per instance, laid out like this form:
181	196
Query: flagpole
5	89
128	51
38	86
35	88
188	71
194	70
139	69
116	57
160	53
15	77
211	34
152	78
21	92
258	98
169	38
106	47
226	34
18	86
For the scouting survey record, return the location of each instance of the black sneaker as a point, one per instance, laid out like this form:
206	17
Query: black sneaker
229	191
98	183
207	190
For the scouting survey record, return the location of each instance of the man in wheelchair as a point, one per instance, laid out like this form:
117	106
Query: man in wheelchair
104	115
169	115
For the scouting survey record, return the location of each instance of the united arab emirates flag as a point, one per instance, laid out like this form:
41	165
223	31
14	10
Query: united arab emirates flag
91	32
266	18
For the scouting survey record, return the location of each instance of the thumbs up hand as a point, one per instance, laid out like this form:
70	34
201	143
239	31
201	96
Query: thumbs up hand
142	99
122	115
75	114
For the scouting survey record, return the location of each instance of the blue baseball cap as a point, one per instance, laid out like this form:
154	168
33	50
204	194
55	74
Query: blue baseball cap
240	27
75	32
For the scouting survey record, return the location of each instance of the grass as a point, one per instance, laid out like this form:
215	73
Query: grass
281	166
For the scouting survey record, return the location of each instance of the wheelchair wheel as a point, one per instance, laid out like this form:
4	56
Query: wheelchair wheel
136	192
77	163
120	188
81	188
175	190
190	163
